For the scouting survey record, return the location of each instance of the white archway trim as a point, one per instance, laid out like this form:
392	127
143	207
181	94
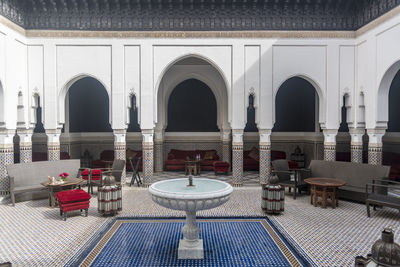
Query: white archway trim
64	90
2	108
317	87
382	110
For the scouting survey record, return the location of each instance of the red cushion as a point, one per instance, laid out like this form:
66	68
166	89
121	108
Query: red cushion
72	196
175	162
220	164
76	206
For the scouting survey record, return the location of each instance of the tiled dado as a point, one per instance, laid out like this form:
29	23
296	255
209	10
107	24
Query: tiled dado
53	151
226	152
147	163
25	153
6	158
375	154
237	164
120	153
356	153
329	152
265	163
158	156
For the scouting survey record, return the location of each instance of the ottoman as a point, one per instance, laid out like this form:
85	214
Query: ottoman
73	200
221	167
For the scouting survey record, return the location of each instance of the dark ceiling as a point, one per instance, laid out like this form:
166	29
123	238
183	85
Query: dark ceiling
194	15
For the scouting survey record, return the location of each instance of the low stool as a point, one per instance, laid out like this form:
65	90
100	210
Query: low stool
73	200
221	167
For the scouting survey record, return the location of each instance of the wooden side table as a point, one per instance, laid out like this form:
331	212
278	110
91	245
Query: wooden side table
192	166
324	188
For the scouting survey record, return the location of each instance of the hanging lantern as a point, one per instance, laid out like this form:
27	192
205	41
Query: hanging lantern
384	251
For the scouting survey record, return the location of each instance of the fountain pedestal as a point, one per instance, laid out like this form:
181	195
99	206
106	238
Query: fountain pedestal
190	247
203	194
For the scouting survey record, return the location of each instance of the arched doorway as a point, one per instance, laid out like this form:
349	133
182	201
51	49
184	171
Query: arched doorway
192	107
296	121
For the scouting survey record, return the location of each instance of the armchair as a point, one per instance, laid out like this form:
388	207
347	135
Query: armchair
289	177
116	171
378	193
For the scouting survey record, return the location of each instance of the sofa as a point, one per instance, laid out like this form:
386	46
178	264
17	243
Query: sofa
252	163
108	155
40	156
26	177
356	176
176	159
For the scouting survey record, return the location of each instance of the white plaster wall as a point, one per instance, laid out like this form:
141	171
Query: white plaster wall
347	80
35	79
132	76
252	76
75	62
306	61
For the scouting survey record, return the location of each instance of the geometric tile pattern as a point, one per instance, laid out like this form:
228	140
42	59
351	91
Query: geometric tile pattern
147	163
120	153
6	158
226	152
356	153
123	243
375	154
53	151
158	156
329	152
265	163
25	152
237	164
32	234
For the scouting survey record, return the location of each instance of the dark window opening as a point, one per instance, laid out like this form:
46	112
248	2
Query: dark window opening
394	107
251	125
133	117
343	125
39	128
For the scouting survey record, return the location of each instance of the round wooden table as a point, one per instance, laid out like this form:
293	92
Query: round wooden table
324	187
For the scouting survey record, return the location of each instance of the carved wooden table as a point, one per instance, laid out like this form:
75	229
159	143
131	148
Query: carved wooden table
54	188
324	187
192	166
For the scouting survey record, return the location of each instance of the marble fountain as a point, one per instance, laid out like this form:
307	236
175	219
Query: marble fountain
190	195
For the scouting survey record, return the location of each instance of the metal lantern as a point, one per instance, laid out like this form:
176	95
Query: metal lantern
273	196
109	196
384	251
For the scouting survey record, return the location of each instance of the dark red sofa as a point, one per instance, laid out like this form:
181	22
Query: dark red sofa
176	159
251	164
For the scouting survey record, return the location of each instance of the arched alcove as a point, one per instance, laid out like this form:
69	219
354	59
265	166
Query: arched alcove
344	114
133	115
20	110
37	111
88	106
394	107
192	107
295	106
251	125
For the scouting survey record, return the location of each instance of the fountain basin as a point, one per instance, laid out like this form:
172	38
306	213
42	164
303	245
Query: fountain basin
205	194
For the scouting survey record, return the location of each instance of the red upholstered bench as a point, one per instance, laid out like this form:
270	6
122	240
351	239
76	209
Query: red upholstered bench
73	200
221	167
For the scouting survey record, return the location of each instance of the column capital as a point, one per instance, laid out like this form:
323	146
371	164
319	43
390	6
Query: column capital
375	135
225	135
24	131
265	136
356	131
148	135
237	136
119	135
330	136
53	135
356	135
158	135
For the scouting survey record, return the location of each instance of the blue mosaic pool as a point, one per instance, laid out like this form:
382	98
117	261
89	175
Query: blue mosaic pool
227	242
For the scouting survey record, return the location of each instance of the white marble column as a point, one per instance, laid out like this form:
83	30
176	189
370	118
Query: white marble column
120	149
330	144
158	150
356	144
53	144
226	146
25	145
148	158
265	155
237	157
375	146
6	157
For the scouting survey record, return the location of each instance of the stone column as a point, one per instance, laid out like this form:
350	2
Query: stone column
375	146
226	146
25	145
159	151
237	157
120	149
265	155
148	158
356	144
53	144
330	144
6	158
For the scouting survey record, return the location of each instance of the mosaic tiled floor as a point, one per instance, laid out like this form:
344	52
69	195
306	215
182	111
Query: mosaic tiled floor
32	234
154	242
